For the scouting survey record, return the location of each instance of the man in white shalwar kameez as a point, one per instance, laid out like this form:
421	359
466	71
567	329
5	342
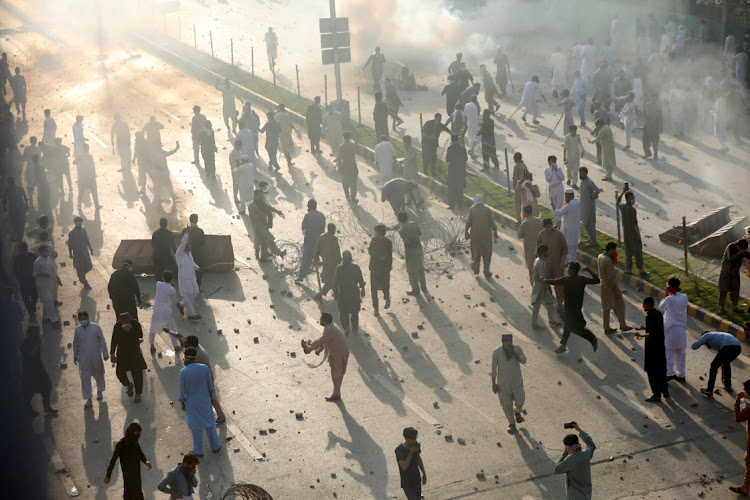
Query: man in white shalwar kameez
78	136
580	89
245	173
628	117
50	129
528	99
385	155
245	135
559	63
161	316
570	213
506	368
186	278
589	62
89	348
471	112
554	176
45	275
675	306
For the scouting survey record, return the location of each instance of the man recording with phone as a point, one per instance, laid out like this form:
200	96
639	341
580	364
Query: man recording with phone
409	458
575	463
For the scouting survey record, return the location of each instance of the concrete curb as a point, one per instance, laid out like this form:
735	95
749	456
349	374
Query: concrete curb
504	220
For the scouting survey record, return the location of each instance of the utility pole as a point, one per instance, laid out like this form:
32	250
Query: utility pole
336	66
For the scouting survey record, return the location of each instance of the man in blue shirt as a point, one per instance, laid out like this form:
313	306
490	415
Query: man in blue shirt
575	463
727	349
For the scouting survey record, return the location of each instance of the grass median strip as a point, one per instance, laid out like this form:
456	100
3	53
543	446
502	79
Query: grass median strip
701	292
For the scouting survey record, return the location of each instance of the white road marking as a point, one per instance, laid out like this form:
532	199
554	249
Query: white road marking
166	112
59	467
244	441
623	399
407	401
89	133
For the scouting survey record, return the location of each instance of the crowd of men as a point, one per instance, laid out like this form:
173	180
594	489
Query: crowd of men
550	244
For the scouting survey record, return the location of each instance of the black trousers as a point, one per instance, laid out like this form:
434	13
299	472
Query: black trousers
209	163
344	316
37	383
651	140
129	306
122	376
429	158
489	155
657	379
314	136
723	358
385	285
272	152
574	323
350	191
413	492
29	297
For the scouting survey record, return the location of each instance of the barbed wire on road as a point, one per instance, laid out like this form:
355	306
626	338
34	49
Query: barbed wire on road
242	491
442	240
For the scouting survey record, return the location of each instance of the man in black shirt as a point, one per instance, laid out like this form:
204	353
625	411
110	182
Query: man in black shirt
409	458
130	454
23	268
314	120
125	349
574	287
197	244
655	359
34	375
163	250
430	135
124	291
451	92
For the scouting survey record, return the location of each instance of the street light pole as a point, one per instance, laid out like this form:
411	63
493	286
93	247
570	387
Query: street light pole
336	67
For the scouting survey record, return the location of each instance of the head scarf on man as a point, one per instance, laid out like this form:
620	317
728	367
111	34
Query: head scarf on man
479	199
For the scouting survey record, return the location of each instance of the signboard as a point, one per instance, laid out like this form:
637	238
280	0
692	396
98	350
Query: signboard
342	25
341	40
344	55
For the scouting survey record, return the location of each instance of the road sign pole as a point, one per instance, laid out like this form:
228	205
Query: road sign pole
336	67
296	68
325	86
507	169
359	107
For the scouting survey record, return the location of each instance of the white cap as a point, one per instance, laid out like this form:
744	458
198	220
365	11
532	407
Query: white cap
569	191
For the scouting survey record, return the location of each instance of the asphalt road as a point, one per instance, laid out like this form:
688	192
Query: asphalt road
423	363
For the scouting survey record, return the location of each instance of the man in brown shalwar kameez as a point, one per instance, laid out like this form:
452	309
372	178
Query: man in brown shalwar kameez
557	250
327	249
381	263
482	231
528	232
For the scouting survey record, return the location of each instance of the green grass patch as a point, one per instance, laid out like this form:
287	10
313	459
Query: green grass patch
701	292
